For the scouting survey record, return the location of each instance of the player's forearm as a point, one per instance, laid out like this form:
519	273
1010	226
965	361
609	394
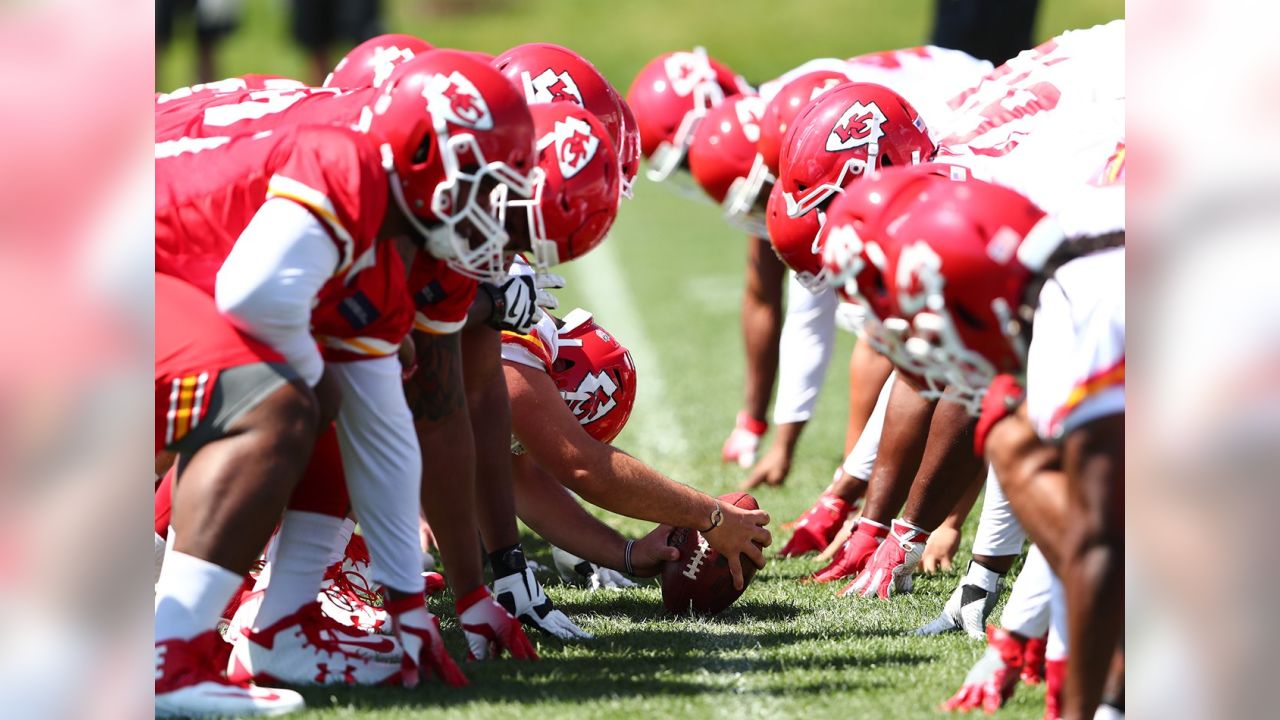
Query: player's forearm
490	414
761	327
1093	566
436	398
611	479
546	507
1030	473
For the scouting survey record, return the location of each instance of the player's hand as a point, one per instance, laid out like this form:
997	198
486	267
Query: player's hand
544	282
744	441
940	551
742	532
818	526
419	634
518	309
576	571
855	552
522	596
967	609
490	629
842	536
992	680
651	552
772	470
892	565
1001	399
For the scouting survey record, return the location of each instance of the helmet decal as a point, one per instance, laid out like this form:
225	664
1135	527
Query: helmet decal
593	398
456	99
549	86
687	70
576	145
861	124
385	59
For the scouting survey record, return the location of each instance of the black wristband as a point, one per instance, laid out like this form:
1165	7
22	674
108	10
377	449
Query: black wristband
507	561
499	302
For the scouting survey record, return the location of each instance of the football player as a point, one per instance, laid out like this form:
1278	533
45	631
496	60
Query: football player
438	182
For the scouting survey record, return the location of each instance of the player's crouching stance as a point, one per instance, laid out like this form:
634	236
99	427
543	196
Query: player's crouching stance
569	384
242	421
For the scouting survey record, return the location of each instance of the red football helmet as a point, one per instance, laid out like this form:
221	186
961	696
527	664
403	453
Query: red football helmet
453	133
575	189
629	149
855	263
795	241
550	73
838	136
669	96
721	156
963	256
596	376
370	63
786	105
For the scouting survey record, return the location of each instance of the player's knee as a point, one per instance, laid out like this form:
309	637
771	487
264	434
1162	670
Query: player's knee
295	415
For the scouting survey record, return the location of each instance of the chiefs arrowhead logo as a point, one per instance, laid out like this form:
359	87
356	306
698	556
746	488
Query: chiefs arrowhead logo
549	86
686	70
575	146
457	100
385	59
861	124
593	399
825	86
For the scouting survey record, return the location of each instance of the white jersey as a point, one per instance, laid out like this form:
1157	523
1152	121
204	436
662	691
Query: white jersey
928	77
1075	365
1050	124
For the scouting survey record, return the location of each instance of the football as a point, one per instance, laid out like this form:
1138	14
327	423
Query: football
699	582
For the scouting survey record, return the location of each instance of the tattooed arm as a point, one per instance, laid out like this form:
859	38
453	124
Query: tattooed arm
438	402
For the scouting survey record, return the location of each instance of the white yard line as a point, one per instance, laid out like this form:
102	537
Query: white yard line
599	278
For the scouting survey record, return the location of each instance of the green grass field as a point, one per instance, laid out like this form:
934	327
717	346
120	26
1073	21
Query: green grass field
668	285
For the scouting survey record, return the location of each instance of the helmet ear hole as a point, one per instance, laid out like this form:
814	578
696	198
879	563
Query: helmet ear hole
967	317
423	152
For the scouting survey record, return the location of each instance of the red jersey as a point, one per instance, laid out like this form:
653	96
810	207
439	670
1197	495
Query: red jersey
441	297
220	114
207	191
193	344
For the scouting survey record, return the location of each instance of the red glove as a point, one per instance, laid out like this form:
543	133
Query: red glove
1033	663
855	552
742	443
891	567
992	680
817	527
1003	396
1055	673
419	634
490	629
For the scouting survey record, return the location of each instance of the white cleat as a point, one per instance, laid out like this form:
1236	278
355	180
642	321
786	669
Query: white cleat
349	596
311	648
188	684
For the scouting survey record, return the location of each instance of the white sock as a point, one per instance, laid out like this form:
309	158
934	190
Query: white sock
340	545
1106	712
982	577
300	556
190	596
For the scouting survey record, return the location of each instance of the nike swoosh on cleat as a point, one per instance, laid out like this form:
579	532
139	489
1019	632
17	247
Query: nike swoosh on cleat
269	697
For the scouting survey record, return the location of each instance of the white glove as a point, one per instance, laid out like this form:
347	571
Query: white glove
576	571
967	609
516	304
544	282
523	597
